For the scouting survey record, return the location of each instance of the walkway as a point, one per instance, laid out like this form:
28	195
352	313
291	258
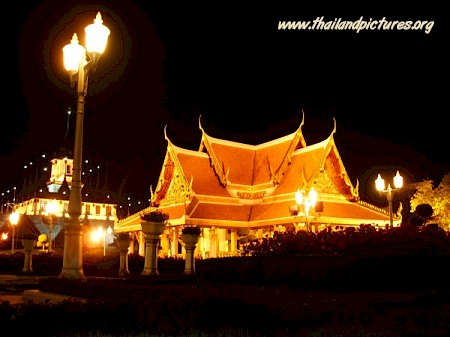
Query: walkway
9	285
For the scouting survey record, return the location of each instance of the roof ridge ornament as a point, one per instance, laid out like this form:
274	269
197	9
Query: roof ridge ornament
298	138
218	169
165	133
200	123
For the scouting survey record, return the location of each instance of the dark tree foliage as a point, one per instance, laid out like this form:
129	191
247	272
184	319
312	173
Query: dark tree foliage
415	220
410	238
425	211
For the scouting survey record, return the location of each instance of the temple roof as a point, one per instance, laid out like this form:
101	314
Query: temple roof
233	184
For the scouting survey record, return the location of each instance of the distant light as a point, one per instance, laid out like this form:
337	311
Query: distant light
51	207
14	218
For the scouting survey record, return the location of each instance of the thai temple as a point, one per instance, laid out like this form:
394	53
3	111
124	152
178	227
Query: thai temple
233	191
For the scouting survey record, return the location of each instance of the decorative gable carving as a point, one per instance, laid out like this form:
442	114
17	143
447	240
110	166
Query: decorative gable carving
179	190
324	185
173	186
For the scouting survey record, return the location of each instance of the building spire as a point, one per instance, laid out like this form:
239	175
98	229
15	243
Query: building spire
67	143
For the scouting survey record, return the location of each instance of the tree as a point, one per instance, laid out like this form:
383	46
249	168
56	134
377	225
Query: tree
437	198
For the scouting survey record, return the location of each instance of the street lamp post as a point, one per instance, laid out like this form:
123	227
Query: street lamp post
14	220
307	200
107	231
380	185
78	68
50	209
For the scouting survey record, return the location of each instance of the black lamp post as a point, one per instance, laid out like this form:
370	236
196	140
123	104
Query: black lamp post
306	200
381	187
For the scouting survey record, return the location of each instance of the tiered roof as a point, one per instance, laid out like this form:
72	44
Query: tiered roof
231	184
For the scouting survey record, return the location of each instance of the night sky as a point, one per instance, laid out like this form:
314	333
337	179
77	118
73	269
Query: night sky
168	64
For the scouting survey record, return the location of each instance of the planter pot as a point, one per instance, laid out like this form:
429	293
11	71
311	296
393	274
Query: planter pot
123	244
190	239
153	228
28	244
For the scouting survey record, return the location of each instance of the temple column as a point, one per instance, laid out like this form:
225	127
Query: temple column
222	240
212	242
164	244
131	246
259	234
233	241
141	241
174	241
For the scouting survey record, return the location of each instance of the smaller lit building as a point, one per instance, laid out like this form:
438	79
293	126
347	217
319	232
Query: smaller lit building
96	217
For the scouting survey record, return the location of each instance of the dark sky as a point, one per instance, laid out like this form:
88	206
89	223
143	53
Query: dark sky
167	64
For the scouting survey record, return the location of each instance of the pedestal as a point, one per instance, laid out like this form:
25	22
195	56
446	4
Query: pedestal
28	246
123	246
190	241
73	253
152	231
